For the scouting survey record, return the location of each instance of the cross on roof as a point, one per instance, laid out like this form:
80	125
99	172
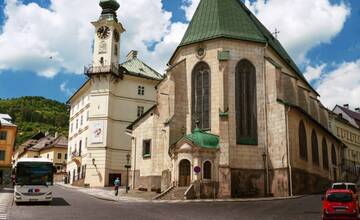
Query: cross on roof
276	33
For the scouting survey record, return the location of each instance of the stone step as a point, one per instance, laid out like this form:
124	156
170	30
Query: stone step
177	193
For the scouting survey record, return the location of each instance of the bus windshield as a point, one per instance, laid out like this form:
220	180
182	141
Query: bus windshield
34	173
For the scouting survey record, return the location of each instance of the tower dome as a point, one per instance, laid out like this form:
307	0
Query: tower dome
109	8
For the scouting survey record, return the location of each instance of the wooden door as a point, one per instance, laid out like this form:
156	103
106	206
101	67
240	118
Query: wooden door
184	173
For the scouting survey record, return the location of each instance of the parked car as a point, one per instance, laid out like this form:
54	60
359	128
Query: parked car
349	186
339	204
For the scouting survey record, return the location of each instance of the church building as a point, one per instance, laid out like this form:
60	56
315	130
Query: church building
113	96
234	116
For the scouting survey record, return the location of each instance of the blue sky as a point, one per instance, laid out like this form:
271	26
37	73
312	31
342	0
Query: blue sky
27	72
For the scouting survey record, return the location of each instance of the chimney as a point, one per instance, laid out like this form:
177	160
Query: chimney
357	110
346	106
46	133
56	134
131	55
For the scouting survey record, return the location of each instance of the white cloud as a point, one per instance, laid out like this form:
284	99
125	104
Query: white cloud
341	85
47	41
64	88
313	73
303	24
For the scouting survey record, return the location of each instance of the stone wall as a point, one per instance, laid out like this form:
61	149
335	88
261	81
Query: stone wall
247	183
308	183
317	175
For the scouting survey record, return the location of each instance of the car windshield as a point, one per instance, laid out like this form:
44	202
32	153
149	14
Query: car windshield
339	197
34	173
339	186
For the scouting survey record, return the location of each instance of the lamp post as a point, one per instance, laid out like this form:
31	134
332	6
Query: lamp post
265	181
127	166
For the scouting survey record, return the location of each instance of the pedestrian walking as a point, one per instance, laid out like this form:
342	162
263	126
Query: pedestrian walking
117	185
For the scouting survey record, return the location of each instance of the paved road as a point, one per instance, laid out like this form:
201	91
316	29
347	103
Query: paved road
71	204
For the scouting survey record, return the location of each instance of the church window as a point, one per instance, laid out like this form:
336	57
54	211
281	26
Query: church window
141	90
325	155
200	110
246	111
333	155
116	50
140	110
314	148
302	141
146	148
207	170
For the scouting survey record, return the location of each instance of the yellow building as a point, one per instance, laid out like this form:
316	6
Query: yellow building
50	147
7	140
345	123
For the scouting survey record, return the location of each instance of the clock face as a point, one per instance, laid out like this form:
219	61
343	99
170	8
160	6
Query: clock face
116	36
103	32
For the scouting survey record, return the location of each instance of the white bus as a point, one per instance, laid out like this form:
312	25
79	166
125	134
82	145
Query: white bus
34	178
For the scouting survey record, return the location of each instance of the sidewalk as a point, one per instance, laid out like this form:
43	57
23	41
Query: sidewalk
107	193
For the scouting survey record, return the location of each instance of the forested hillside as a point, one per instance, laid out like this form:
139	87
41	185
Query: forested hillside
34	114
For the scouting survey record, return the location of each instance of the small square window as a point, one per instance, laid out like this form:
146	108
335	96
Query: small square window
140	111
3	135
141	90
147	148
2	155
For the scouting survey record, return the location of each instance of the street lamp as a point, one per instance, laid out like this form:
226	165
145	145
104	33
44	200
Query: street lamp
265	181
127	166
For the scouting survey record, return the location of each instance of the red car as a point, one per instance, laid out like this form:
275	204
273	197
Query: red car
340	204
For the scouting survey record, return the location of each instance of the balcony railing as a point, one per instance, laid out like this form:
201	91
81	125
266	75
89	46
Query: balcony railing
112	69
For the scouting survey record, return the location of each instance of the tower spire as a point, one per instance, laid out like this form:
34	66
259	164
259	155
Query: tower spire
109	8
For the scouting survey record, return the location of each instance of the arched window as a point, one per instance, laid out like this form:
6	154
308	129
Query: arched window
302	141
325	155
200	110
333	155
207	170
314	148
245	101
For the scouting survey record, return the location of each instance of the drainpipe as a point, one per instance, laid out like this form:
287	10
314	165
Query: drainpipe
288	151
266	126
134	168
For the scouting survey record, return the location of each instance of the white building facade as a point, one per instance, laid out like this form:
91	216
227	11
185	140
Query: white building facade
113	96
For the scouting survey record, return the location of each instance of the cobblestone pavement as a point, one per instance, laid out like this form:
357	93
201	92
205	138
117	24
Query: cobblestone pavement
6	196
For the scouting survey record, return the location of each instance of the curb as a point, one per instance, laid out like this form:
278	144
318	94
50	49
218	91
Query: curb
229	200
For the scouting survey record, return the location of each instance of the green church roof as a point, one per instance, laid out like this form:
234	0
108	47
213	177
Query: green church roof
203	139
232	19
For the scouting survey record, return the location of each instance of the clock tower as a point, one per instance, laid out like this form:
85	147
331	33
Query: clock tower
107	39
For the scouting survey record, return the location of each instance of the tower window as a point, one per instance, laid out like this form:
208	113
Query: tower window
116	50
140	110
141	90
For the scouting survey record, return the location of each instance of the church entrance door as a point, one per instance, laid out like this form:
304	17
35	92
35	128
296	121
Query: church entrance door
184	173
